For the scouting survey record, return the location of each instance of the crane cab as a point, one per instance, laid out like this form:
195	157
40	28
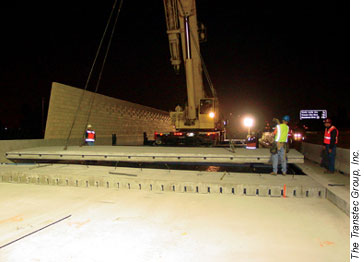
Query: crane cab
207	113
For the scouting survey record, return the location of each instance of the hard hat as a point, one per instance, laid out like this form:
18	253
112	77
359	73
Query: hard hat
328	120
286	118
89	126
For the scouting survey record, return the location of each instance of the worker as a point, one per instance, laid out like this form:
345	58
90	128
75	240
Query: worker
330	141
280	140
90	136
145	139
267	127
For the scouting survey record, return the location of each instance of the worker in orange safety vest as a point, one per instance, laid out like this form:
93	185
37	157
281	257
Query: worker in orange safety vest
330	141
90	136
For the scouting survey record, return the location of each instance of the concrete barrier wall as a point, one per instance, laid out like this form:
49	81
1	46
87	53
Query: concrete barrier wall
342	160
108	116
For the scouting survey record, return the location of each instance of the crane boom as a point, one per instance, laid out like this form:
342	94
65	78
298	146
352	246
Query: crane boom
201	112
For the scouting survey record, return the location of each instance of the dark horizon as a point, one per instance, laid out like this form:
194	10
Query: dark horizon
264	59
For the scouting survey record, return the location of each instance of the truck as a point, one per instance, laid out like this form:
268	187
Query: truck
198	122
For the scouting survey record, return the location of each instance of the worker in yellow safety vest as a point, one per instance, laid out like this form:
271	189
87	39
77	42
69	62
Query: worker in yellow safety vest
280	139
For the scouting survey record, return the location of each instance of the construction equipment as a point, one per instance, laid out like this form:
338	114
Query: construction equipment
199	121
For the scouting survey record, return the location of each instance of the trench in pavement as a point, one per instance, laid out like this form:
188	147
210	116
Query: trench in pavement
258	168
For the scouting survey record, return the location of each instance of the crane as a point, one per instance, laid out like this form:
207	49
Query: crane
199	119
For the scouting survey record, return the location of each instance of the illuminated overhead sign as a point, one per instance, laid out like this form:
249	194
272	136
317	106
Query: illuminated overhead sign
313	114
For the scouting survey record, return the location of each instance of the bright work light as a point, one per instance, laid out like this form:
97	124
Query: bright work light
248	122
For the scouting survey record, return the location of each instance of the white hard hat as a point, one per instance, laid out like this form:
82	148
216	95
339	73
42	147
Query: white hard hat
89	126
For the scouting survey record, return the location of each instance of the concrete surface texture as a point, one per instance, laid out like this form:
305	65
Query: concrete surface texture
108	116
112	225
157	180
152	154
337	185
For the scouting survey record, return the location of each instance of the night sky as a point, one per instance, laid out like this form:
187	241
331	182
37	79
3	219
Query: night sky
264	58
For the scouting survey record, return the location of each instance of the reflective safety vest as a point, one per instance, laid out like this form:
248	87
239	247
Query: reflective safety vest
282	133
251	146
90	136
327	136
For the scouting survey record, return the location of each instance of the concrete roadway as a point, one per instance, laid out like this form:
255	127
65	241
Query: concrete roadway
132	225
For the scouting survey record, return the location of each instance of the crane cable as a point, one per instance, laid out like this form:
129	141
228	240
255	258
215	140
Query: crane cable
92	69
103	63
